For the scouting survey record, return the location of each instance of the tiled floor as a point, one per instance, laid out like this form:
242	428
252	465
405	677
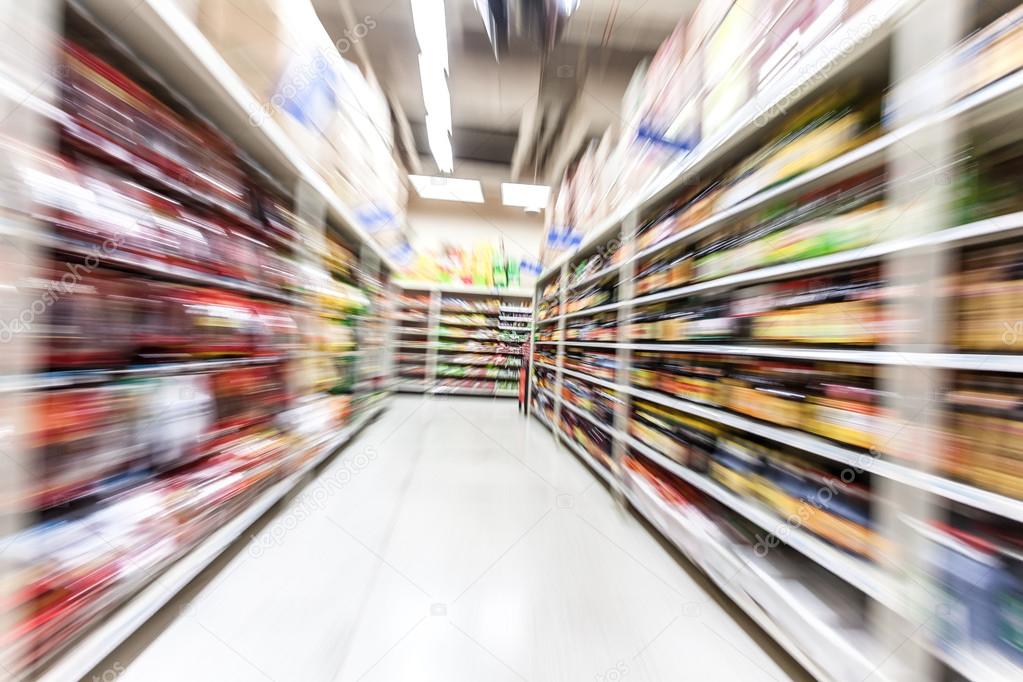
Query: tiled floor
451	541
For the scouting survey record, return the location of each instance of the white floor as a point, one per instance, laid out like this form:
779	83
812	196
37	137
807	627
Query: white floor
451	541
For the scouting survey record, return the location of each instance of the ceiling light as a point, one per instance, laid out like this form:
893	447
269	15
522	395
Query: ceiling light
431	30
436	96
432	35
438	136
568	6
448	189
525	196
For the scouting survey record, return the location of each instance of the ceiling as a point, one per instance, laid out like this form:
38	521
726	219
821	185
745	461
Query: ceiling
530	114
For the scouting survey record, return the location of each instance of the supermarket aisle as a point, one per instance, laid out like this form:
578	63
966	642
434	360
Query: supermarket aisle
451	541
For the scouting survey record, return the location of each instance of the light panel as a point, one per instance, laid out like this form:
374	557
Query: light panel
525	196
448	189
432	36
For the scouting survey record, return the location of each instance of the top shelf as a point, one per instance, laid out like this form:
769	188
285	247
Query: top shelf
162	35
860	36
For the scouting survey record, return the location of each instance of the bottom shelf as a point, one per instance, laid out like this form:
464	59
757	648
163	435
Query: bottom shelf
811	625
95	645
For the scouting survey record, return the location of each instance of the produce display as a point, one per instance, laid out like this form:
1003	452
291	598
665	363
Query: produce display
189	355
483	265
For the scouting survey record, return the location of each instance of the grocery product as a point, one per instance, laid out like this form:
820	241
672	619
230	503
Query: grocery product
190	350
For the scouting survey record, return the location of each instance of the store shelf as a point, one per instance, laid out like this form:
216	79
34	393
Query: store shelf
509	376
164	37
797	641
588	417
447	349
92	648
595	277
457	390
161	269
860	460
476	325
593	380
591	462
14	92
993	228
538	415
412	386
467	289
872	24
951	361
47	380
592	311
857	572
547	392
996	99
978	664
477	362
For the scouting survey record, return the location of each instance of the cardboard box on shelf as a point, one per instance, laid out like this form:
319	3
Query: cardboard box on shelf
252	37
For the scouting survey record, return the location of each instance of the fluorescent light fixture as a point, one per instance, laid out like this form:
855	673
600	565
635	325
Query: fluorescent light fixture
431	30
525	196
568	6
448	189
435	91
438	135
432	35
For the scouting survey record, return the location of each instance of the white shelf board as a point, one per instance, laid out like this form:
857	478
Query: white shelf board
952	361
975	663
955	491
595	277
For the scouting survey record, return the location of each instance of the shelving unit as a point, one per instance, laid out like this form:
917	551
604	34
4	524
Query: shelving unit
461	340
331	385
101	640
895	587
